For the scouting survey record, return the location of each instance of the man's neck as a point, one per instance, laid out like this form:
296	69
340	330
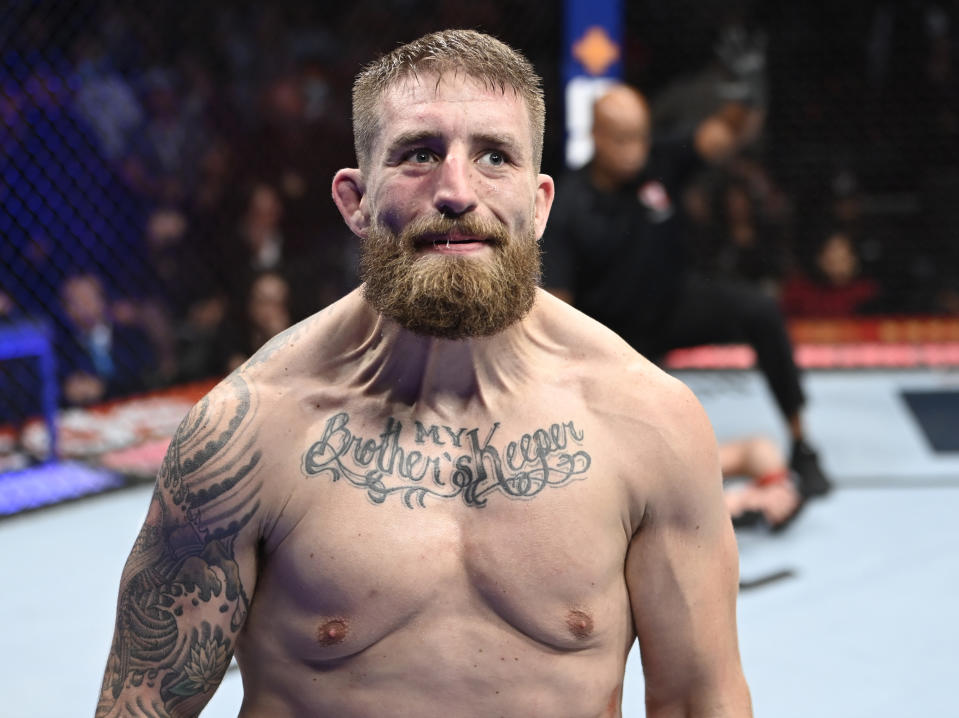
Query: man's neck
443	373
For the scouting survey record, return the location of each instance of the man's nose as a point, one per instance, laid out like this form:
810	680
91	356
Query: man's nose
454	194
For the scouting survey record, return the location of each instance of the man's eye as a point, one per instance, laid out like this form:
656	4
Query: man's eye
421	156
495	158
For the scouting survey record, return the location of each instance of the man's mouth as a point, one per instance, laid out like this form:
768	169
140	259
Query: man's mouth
452	243
457	240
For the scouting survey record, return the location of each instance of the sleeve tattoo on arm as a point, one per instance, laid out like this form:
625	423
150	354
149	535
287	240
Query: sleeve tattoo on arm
181	598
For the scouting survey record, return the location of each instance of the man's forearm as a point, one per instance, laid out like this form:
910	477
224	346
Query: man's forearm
734	702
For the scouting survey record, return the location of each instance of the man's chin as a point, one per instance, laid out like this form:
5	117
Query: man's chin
457	326
477	291
452	311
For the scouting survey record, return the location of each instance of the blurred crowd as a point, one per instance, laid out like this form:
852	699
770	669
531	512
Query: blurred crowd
165	175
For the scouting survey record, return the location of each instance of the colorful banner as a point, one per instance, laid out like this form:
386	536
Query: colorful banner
593	41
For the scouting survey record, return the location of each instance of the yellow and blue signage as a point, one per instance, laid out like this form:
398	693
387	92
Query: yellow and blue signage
593	41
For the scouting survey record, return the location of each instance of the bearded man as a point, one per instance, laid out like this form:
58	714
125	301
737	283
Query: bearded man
448	493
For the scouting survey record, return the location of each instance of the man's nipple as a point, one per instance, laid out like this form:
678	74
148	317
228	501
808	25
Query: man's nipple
332	632
580	624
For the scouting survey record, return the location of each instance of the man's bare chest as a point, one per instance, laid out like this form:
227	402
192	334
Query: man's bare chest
397	521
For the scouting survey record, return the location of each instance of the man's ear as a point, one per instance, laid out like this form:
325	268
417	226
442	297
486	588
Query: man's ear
545	191
348	194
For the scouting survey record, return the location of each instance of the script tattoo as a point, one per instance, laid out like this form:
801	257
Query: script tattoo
452	463
181	599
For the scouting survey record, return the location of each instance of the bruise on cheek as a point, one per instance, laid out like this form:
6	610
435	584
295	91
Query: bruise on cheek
332	632
579	623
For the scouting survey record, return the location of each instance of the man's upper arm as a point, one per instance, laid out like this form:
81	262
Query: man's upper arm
187	583
682	572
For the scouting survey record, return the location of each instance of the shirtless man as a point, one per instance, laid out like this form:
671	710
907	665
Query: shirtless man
448	493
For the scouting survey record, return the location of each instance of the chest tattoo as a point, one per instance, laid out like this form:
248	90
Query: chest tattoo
447	463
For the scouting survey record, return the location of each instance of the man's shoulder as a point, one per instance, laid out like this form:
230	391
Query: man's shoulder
610	366
661	431
302	347
623	375
642	393
251	392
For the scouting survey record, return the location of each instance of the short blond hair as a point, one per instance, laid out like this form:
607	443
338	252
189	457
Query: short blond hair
475	54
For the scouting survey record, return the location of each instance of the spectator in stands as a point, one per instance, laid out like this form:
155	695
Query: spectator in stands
262	228
162	162
835	287
200	236
265	314
170	252
182	312
612	248
66	209
747	248
98	357
216	193
104	98
304	129
262	241
258	242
